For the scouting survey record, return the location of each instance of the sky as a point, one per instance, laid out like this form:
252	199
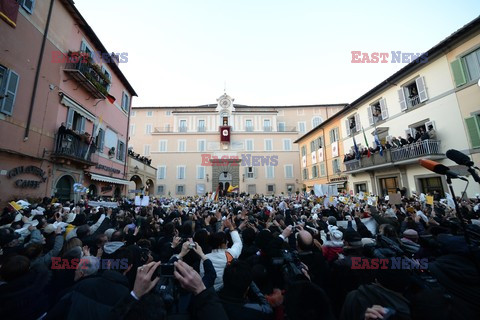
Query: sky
265	52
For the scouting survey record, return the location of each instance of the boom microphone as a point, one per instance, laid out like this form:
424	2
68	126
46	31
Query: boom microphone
440	169
459	158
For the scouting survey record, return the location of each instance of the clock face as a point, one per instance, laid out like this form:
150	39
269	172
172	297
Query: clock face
225	103
225	133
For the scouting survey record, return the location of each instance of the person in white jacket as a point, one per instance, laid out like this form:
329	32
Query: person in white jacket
220	255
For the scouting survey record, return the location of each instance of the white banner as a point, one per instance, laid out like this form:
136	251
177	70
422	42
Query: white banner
304	161
320	155
335	149
314	157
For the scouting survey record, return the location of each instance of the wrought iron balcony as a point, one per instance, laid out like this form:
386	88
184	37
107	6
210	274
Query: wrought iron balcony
162	129
408	154
182	129
249	128
267	128
70	147
201	129
90	76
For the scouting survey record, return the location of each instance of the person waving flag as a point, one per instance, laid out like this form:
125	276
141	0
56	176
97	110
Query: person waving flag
366	143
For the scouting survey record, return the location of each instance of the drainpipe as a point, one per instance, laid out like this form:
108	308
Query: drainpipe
125	172
37	74
325	153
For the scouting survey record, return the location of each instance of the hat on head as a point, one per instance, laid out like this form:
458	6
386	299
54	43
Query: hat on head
410	234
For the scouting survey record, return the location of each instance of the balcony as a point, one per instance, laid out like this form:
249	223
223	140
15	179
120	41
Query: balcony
201	129
429	149
182	129
90	76
70	147
249	128
267	128
413	101
287	129
162	129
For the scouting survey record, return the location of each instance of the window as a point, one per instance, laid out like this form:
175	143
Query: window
180	189
270	172
75	121
267	127
313	145
473	128
289	171
334	135
183	126
268	144
250	173
146	150
336	166
322	170
320	142
161	172
305	174
162	146
316	121
315	172
249	125
270	188
149	113
467	68
180	172
249	144
412	94
281	127
201	145
109	77
301	127
133	113
287	144
120	151
8	89
148	129
182	145
28	5
200	172
201	125
304	151
132	129
377	112
161	189
168	113
300	112
125	101
252	188
352	124
100	140
360	187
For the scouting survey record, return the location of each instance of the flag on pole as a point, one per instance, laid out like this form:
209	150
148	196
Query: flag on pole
216	194
232	189
357	152
366	143
377	141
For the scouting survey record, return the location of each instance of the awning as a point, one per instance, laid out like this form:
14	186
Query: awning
99	177
69	102
339	184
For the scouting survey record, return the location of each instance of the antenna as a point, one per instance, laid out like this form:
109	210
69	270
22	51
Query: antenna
224	86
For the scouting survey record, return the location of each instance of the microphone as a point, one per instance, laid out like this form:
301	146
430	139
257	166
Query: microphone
440	169
459	158
462	159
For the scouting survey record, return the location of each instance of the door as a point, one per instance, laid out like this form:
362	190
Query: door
432	184
388	185
64	188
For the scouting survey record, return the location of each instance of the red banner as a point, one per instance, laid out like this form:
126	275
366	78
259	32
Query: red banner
9	11
225	134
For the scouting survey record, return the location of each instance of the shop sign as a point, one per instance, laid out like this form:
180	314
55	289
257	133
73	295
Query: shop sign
340	179
108	169
21	183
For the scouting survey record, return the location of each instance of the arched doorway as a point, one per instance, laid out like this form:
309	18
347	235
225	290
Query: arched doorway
149	187
225	179
138	182
64	188
92	191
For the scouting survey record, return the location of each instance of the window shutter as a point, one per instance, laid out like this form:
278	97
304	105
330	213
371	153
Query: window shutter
383	107
458	72
422	90
430	123
370	115
255	172
10	92
473	128
82	125
358	125
102	140
347	125
70	115
401	99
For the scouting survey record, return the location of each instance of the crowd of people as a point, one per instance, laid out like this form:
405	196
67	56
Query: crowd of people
241	257
394	143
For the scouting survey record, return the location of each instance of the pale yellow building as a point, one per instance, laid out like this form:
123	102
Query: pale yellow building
183	142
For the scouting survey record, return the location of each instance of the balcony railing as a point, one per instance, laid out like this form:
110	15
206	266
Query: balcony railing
413	101
287	129
249	128
267	128
393	156
72	147
182	129
162	129
89	76
201	129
